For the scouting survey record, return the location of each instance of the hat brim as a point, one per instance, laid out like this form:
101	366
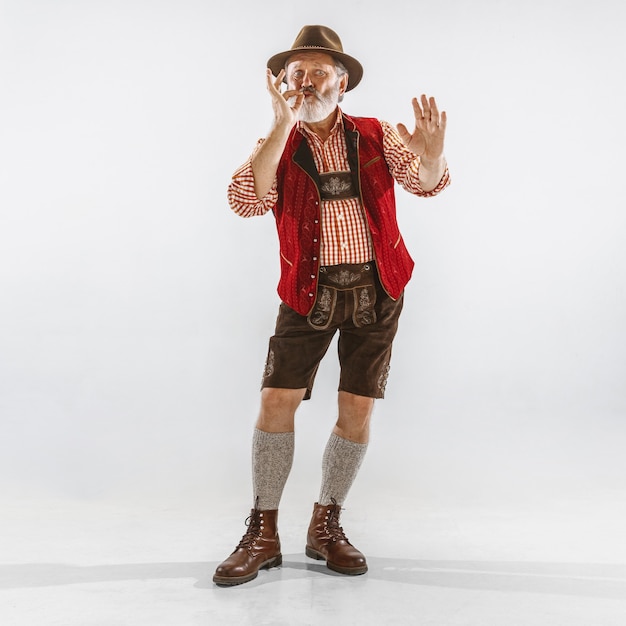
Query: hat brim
355	69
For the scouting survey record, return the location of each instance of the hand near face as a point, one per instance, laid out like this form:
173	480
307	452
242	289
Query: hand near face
430	128
284	113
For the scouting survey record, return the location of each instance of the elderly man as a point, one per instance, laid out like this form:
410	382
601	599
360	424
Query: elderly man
329	180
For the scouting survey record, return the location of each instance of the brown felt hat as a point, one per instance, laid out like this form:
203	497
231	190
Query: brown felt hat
315	38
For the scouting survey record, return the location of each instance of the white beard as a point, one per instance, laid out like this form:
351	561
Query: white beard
317	108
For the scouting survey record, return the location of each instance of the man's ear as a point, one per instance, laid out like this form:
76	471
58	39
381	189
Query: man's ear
343	84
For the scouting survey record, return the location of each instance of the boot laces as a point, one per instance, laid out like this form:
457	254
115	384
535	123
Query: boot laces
333	528
253	522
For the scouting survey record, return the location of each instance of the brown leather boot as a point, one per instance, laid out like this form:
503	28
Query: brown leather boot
259	548
327	541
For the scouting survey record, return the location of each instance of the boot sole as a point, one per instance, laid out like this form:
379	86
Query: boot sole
349	571
231	581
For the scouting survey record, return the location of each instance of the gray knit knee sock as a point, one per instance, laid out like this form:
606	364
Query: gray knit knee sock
340	465
272	457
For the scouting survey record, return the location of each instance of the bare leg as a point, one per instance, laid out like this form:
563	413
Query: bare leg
278	409
355	412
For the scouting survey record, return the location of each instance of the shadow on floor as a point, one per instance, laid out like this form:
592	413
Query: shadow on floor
575	579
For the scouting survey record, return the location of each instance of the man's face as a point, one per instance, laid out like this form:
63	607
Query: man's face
314	74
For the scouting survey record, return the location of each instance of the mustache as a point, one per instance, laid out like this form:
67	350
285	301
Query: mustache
309	89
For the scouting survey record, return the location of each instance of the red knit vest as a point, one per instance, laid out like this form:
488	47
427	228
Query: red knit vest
298	214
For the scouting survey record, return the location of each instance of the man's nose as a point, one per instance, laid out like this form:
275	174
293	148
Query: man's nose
306	80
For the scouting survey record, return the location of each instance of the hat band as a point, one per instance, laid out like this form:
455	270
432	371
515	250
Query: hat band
318	47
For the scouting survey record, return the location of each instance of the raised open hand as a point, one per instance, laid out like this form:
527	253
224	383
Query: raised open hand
430	129
284	111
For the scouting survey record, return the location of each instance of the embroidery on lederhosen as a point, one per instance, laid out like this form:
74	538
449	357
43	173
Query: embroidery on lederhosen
268	370
382	379
344	278
336	186
322	313
364	303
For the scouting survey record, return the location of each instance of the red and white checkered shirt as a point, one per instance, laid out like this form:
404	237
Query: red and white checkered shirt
345	234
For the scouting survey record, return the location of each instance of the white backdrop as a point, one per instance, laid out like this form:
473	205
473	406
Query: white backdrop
135	308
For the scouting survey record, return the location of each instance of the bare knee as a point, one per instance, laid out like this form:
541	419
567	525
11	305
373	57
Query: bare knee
278	409
354	417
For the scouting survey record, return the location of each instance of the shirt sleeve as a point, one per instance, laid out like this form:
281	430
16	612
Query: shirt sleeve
405	166
241	195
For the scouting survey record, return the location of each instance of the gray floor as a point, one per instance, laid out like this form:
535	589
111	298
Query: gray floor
108	562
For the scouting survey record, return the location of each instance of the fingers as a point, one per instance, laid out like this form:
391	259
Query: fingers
403	132
274	86
279	79
426	110
290	93
434	112
417	109
298	102
273	82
